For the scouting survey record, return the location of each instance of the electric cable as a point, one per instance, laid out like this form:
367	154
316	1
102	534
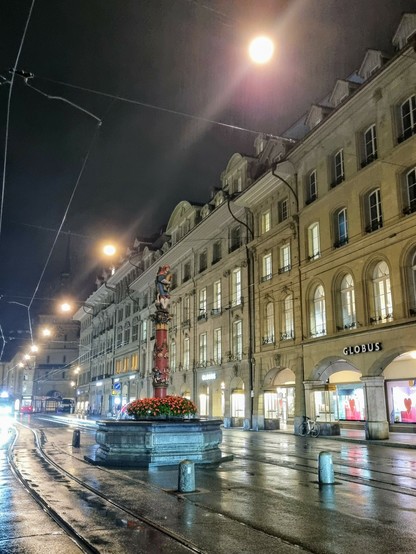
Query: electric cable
6	141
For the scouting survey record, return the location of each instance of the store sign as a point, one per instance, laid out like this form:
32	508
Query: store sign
362	348
209	376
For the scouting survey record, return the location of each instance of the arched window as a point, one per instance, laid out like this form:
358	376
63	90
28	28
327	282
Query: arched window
269	324
317	316
383	303
173	354
411	279
288	331
347	295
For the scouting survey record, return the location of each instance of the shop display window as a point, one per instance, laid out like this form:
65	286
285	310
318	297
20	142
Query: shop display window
270	405
401	399
351	402
237	404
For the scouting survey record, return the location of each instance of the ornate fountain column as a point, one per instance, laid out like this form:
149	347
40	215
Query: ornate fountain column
161	370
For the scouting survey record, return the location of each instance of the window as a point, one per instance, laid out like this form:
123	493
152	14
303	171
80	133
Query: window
267	272
186	271
119	336
120	315
238	339
265	222
268	337
374	214
369	146
311	187
235	239
347	296
287	319
173	355
186	353
127	310
217	346
216	310
202	304
144	330
127	333
202	261
283	210
203	349
383	304
317	315
410	195
408	118
411	268
236	287
341	228
285	264
186	309
134	362
216	252
313	241
338	168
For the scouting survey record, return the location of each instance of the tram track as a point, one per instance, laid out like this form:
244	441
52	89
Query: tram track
104	503
83	543
311	466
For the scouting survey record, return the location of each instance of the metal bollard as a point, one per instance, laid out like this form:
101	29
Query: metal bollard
186	477
325	469
76	438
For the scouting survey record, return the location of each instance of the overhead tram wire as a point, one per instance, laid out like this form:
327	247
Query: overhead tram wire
6	141
163	109
26	76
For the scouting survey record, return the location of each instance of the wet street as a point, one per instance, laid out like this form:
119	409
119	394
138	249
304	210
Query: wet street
266	500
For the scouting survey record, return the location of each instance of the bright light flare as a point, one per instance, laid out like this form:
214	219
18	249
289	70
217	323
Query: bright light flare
46	332
65	307
109	249
261	50
34	348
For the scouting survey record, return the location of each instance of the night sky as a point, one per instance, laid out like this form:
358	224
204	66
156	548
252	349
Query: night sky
184	56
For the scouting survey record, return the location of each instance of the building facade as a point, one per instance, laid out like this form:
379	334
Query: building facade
294	287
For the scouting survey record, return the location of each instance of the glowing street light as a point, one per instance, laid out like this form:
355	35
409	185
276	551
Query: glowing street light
34	348
109	249
261	49
66	307
46	332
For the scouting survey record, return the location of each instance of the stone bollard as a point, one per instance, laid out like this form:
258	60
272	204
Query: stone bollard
186	477
76	438
325	469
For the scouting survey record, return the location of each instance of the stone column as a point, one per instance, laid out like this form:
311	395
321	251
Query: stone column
377	426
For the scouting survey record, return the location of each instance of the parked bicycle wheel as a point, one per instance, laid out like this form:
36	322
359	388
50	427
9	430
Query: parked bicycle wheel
303	429
315	429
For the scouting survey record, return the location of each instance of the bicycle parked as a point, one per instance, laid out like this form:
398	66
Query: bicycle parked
309	427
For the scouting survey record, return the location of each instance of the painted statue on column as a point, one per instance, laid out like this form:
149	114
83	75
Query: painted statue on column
161	369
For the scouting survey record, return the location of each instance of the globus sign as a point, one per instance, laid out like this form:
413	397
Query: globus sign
362	348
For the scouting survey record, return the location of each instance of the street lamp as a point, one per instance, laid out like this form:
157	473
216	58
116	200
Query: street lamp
261	50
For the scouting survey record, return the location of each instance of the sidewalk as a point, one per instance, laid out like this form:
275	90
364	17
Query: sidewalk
395	440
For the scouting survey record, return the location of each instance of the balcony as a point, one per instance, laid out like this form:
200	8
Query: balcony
374	225
410	209
289	335
337	181
203	316
407	134
311	199
268	340
341	242
377	320
266	277
216	311
284	269
369	159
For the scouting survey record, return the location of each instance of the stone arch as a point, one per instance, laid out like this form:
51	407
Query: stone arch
278	376
332	364
386	357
